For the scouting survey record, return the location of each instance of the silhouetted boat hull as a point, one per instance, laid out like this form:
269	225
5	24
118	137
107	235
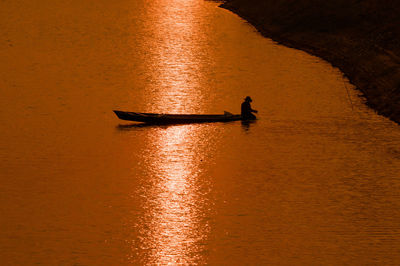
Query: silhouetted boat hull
175	118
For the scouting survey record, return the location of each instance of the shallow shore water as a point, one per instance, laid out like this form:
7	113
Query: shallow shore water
360	38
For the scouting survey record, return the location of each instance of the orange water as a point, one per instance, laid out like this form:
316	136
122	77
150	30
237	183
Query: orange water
313	181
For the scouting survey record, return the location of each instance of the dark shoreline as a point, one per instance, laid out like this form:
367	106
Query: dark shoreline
373	67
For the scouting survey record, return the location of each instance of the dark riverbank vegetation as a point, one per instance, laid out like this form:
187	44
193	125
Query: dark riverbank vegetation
361	37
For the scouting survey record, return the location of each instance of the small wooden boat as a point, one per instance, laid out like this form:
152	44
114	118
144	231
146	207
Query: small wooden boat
175	118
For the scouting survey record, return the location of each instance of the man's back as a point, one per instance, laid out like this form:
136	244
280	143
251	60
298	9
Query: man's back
246	111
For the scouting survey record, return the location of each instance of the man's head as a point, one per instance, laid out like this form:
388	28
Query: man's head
248	99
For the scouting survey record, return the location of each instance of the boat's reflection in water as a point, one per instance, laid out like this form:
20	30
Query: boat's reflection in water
246	124
133	126
174	201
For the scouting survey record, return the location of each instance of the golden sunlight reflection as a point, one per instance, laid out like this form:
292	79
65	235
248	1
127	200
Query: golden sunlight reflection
172	230
175	60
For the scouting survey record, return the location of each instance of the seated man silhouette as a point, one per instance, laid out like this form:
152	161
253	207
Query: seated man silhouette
246	109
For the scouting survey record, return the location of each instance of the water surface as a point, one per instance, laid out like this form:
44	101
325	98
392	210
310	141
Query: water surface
314	181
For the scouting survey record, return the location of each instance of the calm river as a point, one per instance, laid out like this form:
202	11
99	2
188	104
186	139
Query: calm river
314	181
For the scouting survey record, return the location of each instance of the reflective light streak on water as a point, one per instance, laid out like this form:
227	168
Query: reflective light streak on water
173	200
311	182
